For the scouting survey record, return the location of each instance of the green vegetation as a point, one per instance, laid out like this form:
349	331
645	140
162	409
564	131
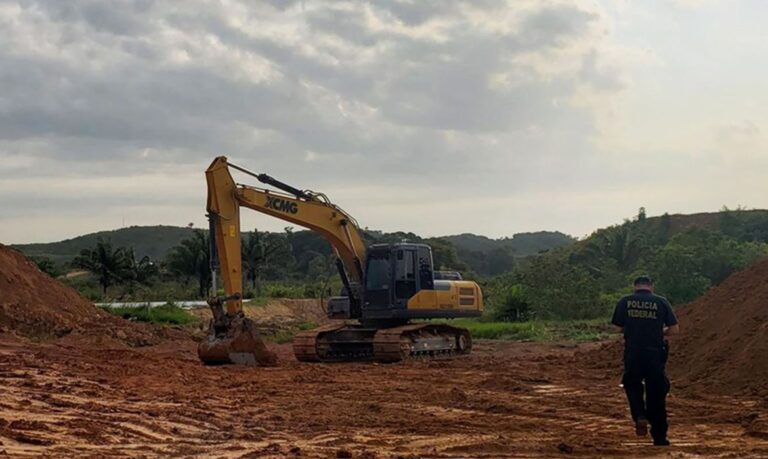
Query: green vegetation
490	257
541	276
191	259
165	314
286	336
686	255
575	330
115	266
292	256
282	336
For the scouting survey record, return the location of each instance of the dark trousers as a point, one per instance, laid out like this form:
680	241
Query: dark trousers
649	400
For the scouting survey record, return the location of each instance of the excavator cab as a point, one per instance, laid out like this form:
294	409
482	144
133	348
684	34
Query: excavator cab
394	273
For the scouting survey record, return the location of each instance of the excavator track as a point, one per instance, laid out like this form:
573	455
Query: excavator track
305	344
348	343
421	341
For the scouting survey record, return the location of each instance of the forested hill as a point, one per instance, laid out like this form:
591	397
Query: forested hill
466	252
152	241
686	254
521	244
489	257
608	255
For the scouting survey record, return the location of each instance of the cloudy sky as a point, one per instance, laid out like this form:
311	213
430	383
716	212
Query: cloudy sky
433	116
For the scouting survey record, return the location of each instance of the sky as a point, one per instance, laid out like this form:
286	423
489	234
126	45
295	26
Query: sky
432	116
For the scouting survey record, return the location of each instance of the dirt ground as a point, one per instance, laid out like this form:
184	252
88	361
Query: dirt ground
85	399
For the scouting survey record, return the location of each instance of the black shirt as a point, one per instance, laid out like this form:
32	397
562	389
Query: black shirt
643	316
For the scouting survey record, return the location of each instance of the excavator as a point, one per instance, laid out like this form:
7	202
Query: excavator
387	288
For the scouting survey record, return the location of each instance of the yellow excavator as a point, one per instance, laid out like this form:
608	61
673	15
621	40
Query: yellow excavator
386	286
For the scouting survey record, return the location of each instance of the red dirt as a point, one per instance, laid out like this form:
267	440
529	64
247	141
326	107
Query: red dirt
724	344
34	305
504	400
89	395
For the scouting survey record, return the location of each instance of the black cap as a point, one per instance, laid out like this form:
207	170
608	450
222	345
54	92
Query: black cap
643	280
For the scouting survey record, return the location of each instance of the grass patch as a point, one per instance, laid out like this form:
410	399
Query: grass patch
165	314
537	330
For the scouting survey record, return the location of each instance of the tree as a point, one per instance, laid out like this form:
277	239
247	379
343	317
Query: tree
698	258
557	289
191	259
499	261
322	271
506	299
261	251
46	265
665	229
142	271
444	255
111	266
677	274
620	244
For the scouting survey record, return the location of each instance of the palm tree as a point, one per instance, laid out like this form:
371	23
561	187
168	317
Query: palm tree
111	266
191	259
142	271
619	244
258	251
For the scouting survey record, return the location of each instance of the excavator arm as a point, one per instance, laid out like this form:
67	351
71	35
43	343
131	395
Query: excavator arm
304	208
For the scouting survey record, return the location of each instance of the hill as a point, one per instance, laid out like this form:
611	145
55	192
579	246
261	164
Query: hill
686	254
489	257
464	252
151	241
521	244
156	241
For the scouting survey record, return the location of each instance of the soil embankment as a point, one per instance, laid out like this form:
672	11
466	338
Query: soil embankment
724	343
34	305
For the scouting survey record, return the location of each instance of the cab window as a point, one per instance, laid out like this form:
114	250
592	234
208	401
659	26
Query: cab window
377	274
405	280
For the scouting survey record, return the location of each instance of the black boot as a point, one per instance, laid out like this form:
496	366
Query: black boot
641	426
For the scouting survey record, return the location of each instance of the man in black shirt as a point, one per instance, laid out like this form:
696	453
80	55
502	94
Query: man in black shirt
645	318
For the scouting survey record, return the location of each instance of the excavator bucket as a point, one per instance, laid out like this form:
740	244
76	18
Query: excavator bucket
233	340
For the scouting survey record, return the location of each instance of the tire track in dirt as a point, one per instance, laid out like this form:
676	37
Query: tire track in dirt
505	400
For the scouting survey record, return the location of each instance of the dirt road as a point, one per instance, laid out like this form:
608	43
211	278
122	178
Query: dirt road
504	400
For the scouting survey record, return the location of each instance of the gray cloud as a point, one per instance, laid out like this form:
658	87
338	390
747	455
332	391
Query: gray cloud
442	92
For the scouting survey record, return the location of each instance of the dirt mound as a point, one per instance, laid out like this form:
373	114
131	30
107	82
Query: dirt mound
723	344
724	341
34	305
277	314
